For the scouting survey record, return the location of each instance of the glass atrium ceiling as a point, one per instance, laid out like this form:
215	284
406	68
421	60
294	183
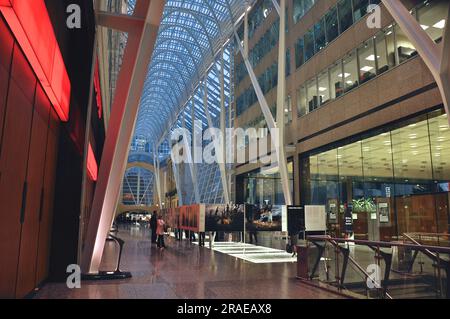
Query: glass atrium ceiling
191	34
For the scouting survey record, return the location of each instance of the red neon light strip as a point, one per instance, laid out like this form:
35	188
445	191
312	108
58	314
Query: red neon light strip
33	30
98	90
92	167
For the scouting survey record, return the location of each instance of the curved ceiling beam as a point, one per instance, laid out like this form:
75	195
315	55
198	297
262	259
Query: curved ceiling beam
163	88
165	82
201	47
167	75
175	66
194	60
211	10
159	57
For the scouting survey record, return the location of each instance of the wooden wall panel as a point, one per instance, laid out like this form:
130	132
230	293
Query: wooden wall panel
45	223
13	162
35	173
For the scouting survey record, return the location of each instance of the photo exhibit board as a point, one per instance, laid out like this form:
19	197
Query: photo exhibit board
224	217
263	218
383	212
315	218
192	218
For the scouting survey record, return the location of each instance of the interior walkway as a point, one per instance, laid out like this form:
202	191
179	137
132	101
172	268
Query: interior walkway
186	271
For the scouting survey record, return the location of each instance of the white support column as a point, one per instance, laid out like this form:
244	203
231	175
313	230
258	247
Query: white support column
220	154
177	181
272	126
223	124
245	54
436	56
158	176
188	149
130	84
281	98
138	188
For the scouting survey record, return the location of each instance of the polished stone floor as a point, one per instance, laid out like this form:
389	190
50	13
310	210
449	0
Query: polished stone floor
186	271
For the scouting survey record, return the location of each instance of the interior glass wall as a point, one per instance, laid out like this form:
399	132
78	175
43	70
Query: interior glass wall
397	180
263	187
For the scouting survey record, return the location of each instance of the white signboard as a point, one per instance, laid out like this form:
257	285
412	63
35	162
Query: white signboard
284	219
315	218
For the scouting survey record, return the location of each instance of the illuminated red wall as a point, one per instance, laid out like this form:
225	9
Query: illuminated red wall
33	30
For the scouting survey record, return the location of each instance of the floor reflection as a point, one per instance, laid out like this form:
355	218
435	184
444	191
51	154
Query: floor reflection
186	271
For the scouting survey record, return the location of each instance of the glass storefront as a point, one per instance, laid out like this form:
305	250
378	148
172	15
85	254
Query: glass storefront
263	187
397	180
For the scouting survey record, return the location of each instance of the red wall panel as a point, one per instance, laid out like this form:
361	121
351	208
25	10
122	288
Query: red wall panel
13	163
35	173
33	30
45	223
6	47
22	75
7	42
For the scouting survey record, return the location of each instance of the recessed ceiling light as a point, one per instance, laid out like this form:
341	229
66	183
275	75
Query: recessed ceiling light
372	57
346	75
349	82
322	89
412	136
366	68
412	125
425	27
440	24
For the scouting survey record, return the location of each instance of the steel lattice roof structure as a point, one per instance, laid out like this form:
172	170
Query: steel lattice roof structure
191	34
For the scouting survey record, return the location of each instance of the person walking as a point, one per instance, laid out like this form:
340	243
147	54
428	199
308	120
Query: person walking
160	232
153	225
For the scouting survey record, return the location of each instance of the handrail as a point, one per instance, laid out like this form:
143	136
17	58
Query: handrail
383	244
336	244
429	234
427	252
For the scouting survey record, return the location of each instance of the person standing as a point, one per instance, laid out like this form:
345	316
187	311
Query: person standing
153	225
160	232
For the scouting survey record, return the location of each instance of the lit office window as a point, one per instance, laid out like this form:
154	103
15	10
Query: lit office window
309	44
381	53
324	87
313	97
405	49
345	14
390	46
360	8
319	34
350	71
331	21
288	62
301	101
299	53
336	80
367	61
288	110
298	9
432	17
301	7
